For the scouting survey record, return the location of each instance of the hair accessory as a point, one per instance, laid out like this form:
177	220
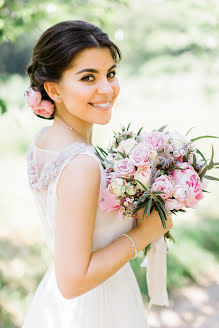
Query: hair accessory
133	243
40	107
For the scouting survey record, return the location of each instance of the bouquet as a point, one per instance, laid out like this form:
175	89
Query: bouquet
159	170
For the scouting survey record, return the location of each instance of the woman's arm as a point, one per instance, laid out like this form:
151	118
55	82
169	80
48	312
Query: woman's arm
77	268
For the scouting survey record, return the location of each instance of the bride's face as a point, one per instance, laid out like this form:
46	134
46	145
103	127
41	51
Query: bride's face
89	88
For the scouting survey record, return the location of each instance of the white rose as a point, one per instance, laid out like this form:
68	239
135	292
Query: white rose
117	187
127	145
130	189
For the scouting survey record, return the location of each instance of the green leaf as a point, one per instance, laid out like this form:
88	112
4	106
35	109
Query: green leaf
128	127
211	178
145	209
194	161
143	198
206	191
200	153
211	163
141	184
203	172
122	154
161	214
102	151
162	205
162	128
138	208
189	130
194	139
140	131
149	207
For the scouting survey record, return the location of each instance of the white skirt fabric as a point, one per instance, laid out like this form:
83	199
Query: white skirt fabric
116	303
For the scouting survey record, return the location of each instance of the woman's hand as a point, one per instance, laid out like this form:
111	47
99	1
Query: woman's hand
153	224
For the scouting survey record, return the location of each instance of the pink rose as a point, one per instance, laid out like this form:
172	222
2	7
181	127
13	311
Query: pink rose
164	184
154	140
188	187
32	97
139	156
45	108
124	168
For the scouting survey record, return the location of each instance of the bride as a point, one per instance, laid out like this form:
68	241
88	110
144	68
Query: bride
90	283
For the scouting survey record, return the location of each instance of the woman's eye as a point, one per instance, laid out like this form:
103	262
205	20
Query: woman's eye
114	74
86	78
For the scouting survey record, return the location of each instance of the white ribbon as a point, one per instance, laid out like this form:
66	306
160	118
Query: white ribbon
156	273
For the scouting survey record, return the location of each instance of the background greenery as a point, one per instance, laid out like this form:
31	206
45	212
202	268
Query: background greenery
168	75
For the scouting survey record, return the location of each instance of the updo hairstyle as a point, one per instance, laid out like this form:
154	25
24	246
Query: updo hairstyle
58	46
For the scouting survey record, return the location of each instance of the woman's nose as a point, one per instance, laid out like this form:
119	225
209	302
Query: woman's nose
105	87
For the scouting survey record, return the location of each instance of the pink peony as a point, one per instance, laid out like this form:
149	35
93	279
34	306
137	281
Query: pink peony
45	108
139	156
32	97
164	184
173	204
188	187
108	203
154	140
124	168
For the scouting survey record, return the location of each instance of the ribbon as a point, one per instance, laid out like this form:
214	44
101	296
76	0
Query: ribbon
156	273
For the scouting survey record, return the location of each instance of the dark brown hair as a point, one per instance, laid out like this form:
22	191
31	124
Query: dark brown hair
58	46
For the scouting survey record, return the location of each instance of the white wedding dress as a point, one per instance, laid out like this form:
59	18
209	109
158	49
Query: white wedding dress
115	303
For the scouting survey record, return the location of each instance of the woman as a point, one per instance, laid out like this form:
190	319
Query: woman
90	284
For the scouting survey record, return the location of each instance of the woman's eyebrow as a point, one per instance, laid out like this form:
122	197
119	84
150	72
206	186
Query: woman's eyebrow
93	70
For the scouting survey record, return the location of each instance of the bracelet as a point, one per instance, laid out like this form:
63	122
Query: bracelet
133	243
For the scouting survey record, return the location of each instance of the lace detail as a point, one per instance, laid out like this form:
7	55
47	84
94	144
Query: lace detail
53	167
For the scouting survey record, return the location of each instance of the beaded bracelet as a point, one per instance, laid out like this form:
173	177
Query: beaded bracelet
133	243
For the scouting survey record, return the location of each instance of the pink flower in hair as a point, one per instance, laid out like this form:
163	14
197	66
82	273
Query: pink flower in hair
45	108
32	97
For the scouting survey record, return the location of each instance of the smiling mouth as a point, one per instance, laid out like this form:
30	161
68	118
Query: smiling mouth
103	105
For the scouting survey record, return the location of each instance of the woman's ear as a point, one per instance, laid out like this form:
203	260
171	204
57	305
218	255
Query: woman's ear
52	91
